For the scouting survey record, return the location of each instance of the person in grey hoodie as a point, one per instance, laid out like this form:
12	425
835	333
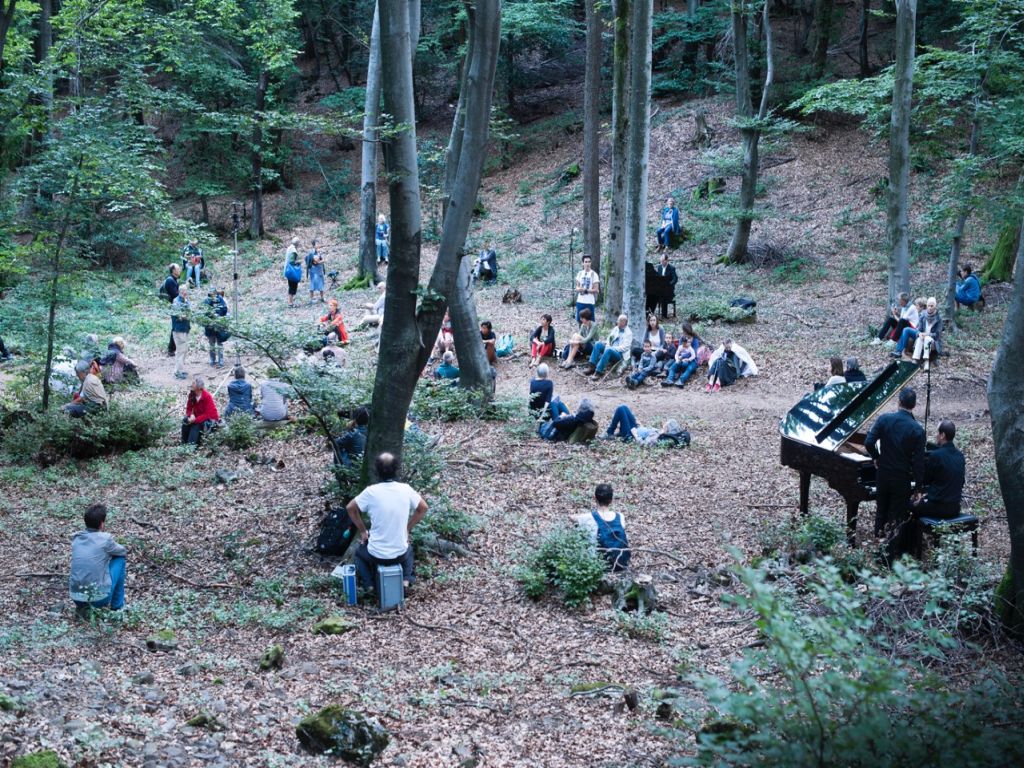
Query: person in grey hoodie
97	565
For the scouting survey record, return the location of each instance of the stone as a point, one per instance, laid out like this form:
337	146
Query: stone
333	625
205	720
46	758
163	641
7	704
143	678
272	658
189	670
344	732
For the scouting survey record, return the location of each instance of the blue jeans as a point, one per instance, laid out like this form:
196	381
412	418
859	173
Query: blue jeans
624	421
665	235
680	373
637	377
907	337
580	307
366	566
194	273
558	409
603	356
383	252
115	599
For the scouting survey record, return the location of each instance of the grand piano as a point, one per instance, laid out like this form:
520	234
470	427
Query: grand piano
657	288
823	435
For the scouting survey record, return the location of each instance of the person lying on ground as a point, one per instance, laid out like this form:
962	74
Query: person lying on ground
349	446
607	527
116	366
642	367
447	370
541	390
563	424
445	338
97	565
582	342
542	341
332	353
333	322
729	363
91	396
394	509
902	315
968	287
853	371
683	366
239	395
200	413
273	409
612	351
489	341
625	427
376	314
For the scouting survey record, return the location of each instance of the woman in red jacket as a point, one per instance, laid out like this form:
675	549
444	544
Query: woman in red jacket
200	413
332	322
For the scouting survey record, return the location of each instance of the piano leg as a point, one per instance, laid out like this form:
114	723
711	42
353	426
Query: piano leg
852	508
805	491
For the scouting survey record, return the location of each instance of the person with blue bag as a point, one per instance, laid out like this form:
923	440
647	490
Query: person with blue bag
293	270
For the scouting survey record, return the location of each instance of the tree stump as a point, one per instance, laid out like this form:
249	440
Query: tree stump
635	594
702	133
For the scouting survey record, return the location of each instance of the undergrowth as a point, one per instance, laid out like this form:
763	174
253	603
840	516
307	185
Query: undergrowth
564	561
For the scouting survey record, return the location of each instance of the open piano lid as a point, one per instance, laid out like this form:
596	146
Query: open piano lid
828	417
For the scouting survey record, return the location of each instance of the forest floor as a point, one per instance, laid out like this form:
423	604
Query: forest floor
470	667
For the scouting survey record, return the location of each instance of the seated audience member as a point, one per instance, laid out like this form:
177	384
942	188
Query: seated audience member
333	322
666	356
489	341
836	371
445	337
968	287
376	314
608	529
274	397
901	315
853	371
944	477
582	342
239	395
729	363
194	263
625	427
332	353
394	509
200	413
612	351
683	366
541	390
652	333
4	352
909	333
116	367
91	396
447	369
643	367
542	341
485	267
928	341
352	442
564	425
669	224
97	565
698	342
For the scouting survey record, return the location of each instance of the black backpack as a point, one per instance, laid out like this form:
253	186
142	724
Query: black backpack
336	533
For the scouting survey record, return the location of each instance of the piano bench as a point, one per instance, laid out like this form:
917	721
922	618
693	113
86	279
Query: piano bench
936	527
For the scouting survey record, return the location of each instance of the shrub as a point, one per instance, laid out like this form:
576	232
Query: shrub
238	433
566	561
642	626
440	401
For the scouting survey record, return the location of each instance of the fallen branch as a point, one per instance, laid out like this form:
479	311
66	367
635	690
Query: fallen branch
35	576
664	554
197	585
432	627
144	524
595	691
799	319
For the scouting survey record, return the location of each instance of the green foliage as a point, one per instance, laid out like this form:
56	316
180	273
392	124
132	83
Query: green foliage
565	560
709	308
678	42
440	401
238	433
652	627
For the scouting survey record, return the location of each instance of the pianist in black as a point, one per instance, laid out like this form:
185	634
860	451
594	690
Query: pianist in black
900	460
661	298
944	475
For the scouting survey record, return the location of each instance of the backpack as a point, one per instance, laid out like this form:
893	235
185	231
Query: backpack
677	439
336	533
505	345
612	542
743	303
108	359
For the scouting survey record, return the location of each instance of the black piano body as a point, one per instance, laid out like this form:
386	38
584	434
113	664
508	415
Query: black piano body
657	288
823	435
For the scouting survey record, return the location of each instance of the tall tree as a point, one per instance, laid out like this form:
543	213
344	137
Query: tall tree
899	150
750	124
961	218
637	155
591	137
862	43
614	268
414	312
823	34
368	187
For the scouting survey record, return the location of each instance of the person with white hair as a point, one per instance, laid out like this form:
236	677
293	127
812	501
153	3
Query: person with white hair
292	270
447	369
928	342
612	351
91	397
381	238
541	390
376	314
200	413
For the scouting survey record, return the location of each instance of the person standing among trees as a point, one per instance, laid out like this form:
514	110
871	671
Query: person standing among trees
896	443
169	290
381	235
216	308
588	285
315	273
292	270
180	328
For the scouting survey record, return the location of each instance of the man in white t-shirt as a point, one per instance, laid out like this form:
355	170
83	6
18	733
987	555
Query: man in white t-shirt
588	285
394	508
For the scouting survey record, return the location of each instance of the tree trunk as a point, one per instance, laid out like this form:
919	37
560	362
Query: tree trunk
615	266
633	304
591	138
408	332
899	150
368	189
999	265
256	223
749	128
961	222
823	25
862	47
6	20
1005	395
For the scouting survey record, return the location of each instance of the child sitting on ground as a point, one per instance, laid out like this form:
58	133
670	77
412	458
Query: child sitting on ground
643	367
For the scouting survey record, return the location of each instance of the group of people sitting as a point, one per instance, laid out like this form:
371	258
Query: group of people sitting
914	328
95	372
202	414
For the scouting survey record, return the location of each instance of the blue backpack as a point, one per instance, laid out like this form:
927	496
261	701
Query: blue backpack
505	345
612	542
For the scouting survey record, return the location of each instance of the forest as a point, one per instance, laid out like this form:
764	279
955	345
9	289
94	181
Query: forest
381	222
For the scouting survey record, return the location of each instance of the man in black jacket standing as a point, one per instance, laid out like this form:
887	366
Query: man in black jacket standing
900	460
944	475
169	290
666	270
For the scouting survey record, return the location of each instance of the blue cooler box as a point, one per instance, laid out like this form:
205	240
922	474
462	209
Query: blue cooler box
390	590
347	575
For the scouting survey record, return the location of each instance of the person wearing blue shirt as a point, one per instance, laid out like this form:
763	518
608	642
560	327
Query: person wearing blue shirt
380	236
968	287
239	395
447	369
669	224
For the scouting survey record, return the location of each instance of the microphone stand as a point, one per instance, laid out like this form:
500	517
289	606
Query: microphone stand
928	381
235	224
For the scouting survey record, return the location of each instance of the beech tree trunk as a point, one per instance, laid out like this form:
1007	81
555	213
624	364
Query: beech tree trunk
958	229
6	20
862	47
637	155
256	222
615	266
899	150
1005	395
750	131
823	25
368	168
409	330
591	138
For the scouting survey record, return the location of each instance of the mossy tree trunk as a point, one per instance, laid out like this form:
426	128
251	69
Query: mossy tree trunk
615	265
999	266
591	137
899	151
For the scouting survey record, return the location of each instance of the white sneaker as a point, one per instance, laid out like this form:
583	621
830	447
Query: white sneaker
875	341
